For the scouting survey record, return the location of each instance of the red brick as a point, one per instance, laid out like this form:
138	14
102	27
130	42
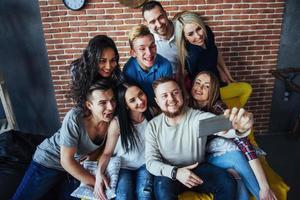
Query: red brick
52	30
123	16
214	1
58	13
95	12
232	12
70	29
86	18
224	17
113	11
72	40
247	33
104	5
51	19
214	12
244	6
88	29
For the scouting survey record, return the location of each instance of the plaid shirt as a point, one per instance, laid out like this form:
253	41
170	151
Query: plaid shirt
243	143
246	147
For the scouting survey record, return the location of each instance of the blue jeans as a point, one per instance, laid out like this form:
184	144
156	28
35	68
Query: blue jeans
39	180
237	161
215	180
135	184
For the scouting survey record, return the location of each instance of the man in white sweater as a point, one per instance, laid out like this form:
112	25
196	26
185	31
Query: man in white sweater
175	152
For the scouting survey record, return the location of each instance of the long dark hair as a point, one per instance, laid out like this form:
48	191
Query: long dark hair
213	93
85	69
127	129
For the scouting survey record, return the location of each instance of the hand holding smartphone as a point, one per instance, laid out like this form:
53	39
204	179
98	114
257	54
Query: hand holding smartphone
213	125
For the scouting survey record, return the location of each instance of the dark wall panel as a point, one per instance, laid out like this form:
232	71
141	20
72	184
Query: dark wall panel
24	63
284	112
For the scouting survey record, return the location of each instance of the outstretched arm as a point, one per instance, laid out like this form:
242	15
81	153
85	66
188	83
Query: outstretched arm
265	192
73	167
242	121
101	179
248	150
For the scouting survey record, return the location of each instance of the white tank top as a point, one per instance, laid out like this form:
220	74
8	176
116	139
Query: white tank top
133	159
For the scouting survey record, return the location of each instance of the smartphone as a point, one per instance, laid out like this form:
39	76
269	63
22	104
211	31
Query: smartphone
213	125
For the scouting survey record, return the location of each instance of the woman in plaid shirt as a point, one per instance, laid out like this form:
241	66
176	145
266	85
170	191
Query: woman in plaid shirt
229	153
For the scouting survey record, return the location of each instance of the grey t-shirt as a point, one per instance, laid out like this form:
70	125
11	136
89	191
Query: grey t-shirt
71	134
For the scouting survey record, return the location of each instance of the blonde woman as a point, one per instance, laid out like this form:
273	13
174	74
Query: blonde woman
198	52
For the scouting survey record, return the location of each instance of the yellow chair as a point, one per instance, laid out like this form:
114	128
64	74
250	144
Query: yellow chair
278	186
195	196
236	95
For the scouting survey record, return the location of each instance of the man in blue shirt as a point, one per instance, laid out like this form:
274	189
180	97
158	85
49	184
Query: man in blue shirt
145	65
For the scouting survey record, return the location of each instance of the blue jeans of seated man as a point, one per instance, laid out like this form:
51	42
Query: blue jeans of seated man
39	180
237	161
215	180
135	184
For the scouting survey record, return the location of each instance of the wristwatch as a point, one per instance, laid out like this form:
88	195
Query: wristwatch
174	173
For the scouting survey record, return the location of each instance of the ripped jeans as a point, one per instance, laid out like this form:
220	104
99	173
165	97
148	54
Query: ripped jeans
135	184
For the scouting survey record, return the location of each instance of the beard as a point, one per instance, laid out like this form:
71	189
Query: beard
173	114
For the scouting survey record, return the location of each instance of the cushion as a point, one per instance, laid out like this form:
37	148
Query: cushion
112	172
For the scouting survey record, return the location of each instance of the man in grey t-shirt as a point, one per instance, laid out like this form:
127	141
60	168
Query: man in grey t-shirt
83	131
175	152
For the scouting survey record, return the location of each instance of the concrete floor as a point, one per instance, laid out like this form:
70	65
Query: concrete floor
283	154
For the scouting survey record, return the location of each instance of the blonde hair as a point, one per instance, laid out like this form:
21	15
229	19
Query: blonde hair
138	31
181	19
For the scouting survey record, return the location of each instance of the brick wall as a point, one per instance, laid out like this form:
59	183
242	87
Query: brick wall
247	34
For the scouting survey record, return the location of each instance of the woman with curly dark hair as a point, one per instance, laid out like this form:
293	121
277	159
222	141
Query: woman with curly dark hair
99	60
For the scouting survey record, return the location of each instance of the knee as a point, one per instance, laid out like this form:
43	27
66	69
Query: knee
124	190
144	194
247	88
229	185
145	190
160	188
123	193
225	182
164	188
